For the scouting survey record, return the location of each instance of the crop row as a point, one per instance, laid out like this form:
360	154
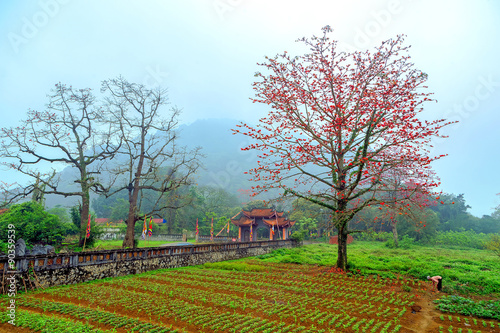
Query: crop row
359	292
96	315
169	302
48	324
267	297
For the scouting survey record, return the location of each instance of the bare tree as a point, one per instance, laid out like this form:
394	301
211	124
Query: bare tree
154	164
68	133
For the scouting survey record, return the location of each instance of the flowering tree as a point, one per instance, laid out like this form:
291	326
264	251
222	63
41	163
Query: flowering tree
339	124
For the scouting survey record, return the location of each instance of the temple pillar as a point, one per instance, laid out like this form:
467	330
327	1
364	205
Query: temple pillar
239	233
270	233
284	233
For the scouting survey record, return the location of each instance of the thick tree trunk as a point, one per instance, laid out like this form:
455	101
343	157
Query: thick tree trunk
395	233
128	241
342	248
84	214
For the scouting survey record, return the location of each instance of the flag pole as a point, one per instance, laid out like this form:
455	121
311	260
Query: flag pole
87	234
84	241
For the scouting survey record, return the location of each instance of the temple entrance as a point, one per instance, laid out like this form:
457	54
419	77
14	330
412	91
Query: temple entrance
262	233
246	236
262	224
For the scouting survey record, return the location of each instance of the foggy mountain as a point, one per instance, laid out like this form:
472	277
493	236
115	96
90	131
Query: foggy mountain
223	166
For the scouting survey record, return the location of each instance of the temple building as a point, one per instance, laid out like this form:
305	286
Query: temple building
249	221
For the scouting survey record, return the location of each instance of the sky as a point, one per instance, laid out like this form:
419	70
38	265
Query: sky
206	53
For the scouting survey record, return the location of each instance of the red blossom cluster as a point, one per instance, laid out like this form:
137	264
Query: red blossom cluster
343	129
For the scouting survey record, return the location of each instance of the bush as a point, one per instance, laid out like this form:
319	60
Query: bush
33	224
373	236
467	238
390	243
493	244
406	242
298	236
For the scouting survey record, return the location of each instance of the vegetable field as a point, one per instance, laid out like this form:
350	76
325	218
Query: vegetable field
250	296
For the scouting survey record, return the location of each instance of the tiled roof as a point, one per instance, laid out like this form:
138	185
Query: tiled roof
242	221
259	212
268	215
101	220
281	222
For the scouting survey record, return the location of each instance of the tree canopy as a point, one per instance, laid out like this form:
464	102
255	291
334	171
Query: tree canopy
341	125
33	224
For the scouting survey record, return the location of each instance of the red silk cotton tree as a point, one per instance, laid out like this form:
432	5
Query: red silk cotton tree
339	124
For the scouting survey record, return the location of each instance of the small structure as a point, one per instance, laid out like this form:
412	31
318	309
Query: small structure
248	222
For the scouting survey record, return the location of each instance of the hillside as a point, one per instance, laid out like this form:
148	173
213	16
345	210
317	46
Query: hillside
223	165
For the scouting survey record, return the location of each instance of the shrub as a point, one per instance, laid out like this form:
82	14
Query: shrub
298	236
467	238
493	244
33	224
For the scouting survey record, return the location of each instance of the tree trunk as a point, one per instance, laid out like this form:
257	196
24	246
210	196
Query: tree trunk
128	241
395	233
342	248
84	215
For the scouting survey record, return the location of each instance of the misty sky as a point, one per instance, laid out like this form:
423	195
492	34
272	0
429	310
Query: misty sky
205	52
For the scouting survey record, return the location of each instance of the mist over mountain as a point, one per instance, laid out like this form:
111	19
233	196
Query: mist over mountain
223	166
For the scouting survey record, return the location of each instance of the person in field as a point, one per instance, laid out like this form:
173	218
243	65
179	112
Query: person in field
436	281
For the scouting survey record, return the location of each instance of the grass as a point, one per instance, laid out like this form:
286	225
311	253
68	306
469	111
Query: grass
117	244
464	271
235	266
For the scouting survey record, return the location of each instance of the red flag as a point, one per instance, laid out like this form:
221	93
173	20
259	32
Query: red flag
144	228
212	230
88	228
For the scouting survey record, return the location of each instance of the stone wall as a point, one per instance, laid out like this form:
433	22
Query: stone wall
33	272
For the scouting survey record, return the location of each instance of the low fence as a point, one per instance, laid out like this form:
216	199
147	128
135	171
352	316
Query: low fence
166	237
65	268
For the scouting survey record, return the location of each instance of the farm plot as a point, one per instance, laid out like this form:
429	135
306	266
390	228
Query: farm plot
264	298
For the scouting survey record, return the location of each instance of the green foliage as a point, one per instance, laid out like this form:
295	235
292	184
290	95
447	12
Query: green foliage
493	244
460	238
62	212
33	224
235	266
255	204
477	274
119	211
317	254
95	229
373	236
423	228
404	243
468	307
298	236
75	217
